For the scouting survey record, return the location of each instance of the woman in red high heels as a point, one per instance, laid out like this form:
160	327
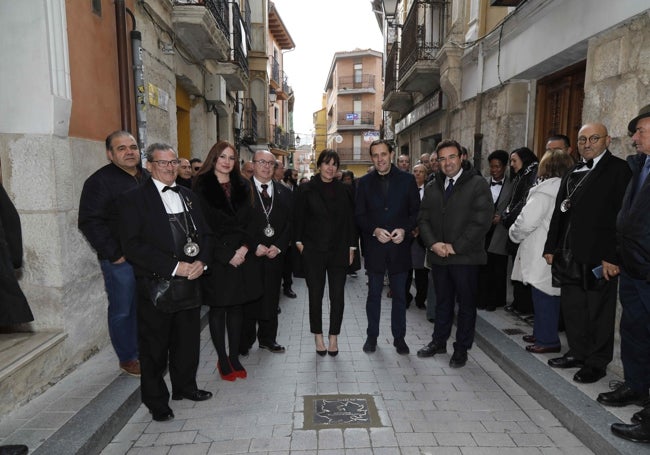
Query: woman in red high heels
226	198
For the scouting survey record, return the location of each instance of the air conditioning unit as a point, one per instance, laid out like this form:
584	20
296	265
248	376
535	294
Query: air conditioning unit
215	90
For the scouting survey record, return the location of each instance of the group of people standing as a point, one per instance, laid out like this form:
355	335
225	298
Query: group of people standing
224	243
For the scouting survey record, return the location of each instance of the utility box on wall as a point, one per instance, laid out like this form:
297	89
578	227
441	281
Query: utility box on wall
215	91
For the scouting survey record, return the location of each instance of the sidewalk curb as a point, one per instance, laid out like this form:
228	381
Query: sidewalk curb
584	417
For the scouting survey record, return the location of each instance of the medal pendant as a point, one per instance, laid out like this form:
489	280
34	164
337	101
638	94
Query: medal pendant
565	205
191	249
269	231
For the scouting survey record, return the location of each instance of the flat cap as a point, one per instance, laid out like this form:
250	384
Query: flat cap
643	113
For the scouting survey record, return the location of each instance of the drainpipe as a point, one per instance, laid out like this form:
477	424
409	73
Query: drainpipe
478	135
138	82
123	65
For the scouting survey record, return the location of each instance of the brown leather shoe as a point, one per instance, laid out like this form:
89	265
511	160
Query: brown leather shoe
536	349
131	367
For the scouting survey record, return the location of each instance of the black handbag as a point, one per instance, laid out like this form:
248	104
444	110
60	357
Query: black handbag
565	270
177	294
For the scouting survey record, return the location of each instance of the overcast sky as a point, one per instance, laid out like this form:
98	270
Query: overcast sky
319	29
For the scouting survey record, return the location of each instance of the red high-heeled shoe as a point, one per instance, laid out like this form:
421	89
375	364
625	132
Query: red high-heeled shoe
239	373
226	377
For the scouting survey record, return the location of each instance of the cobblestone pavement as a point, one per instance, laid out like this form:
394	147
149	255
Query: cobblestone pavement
423	406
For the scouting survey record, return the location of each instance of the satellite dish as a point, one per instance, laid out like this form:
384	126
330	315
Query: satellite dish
338	138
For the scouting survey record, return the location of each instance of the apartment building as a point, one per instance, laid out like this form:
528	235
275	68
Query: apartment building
353	114
509	73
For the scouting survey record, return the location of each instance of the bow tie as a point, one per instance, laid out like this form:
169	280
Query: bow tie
492	183
582	164
175	189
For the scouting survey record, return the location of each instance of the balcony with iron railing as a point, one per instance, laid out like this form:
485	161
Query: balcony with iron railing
235	69
394	100
350	155
248	132
202	27
422	38
364	83
355	120
275	80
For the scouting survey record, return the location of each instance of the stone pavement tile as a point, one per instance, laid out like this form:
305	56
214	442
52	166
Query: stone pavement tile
501	451
455	439
493	440
514	416
527	403
146	440
448	427
162	427
432	451
270	444
499	426
281	430
571	451
419	405
230	446
304	452
117	448
361	451
415	439
400	414
386	451
189	449
355	438
160	450
382	437
330	438
304	440
529	427
532	440
482	415
130	432
169	438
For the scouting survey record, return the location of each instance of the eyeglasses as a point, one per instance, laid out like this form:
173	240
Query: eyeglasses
264	162
592	139
165	163
450	158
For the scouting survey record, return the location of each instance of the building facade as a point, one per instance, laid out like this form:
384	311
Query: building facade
185	72
353	114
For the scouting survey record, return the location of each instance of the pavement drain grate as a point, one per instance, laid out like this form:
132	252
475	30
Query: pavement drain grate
340	411
513	331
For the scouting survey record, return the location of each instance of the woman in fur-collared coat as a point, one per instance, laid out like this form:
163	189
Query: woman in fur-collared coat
226	198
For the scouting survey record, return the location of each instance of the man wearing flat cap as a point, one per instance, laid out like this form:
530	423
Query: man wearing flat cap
633	233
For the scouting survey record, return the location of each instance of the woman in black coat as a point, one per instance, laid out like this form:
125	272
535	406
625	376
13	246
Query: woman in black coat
226	198
325	238
523	172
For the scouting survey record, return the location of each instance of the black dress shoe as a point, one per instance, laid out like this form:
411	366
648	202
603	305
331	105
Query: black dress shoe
458	359
273	347
289	293
589	375
400	346
162	416
322	353
636	432
537	349
370	345
14	449
566	361
432	349
194	395
623	395
643	416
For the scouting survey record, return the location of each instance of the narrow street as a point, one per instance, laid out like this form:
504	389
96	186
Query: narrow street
384	403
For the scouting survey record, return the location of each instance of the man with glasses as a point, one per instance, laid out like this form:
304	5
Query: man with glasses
386	209
196	164
454	218
166	239
98	221
559	142
270	228
582	249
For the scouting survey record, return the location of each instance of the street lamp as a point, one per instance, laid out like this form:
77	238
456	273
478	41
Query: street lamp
272	96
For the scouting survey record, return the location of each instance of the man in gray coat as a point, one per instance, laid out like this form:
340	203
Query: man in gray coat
454	217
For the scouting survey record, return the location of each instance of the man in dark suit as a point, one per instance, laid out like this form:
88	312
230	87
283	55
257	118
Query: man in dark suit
493	275
634	253
386	209
270	226
455	216
165	237
584	223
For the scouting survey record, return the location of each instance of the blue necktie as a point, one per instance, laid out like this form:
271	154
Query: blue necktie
449	189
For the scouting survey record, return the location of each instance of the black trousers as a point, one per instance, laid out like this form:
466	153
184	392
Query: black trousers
164	339
589	322
318	265
493	281
421	285
261	315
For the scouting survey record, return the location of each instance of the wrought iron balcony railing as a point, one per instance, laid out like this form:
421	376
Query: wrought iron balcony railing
365	81
422	34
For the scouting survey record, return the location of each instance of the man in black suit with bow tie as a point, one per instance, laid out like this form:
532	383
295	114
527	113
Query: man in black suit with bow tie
584	224
164	236
270	226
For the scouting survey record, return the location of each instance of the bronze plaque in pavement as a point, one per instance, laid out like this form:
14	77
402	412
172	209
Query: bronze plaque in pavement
340	411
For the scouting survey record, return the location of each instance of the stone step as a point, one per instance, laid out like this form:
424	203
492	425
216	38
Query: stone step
26	362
